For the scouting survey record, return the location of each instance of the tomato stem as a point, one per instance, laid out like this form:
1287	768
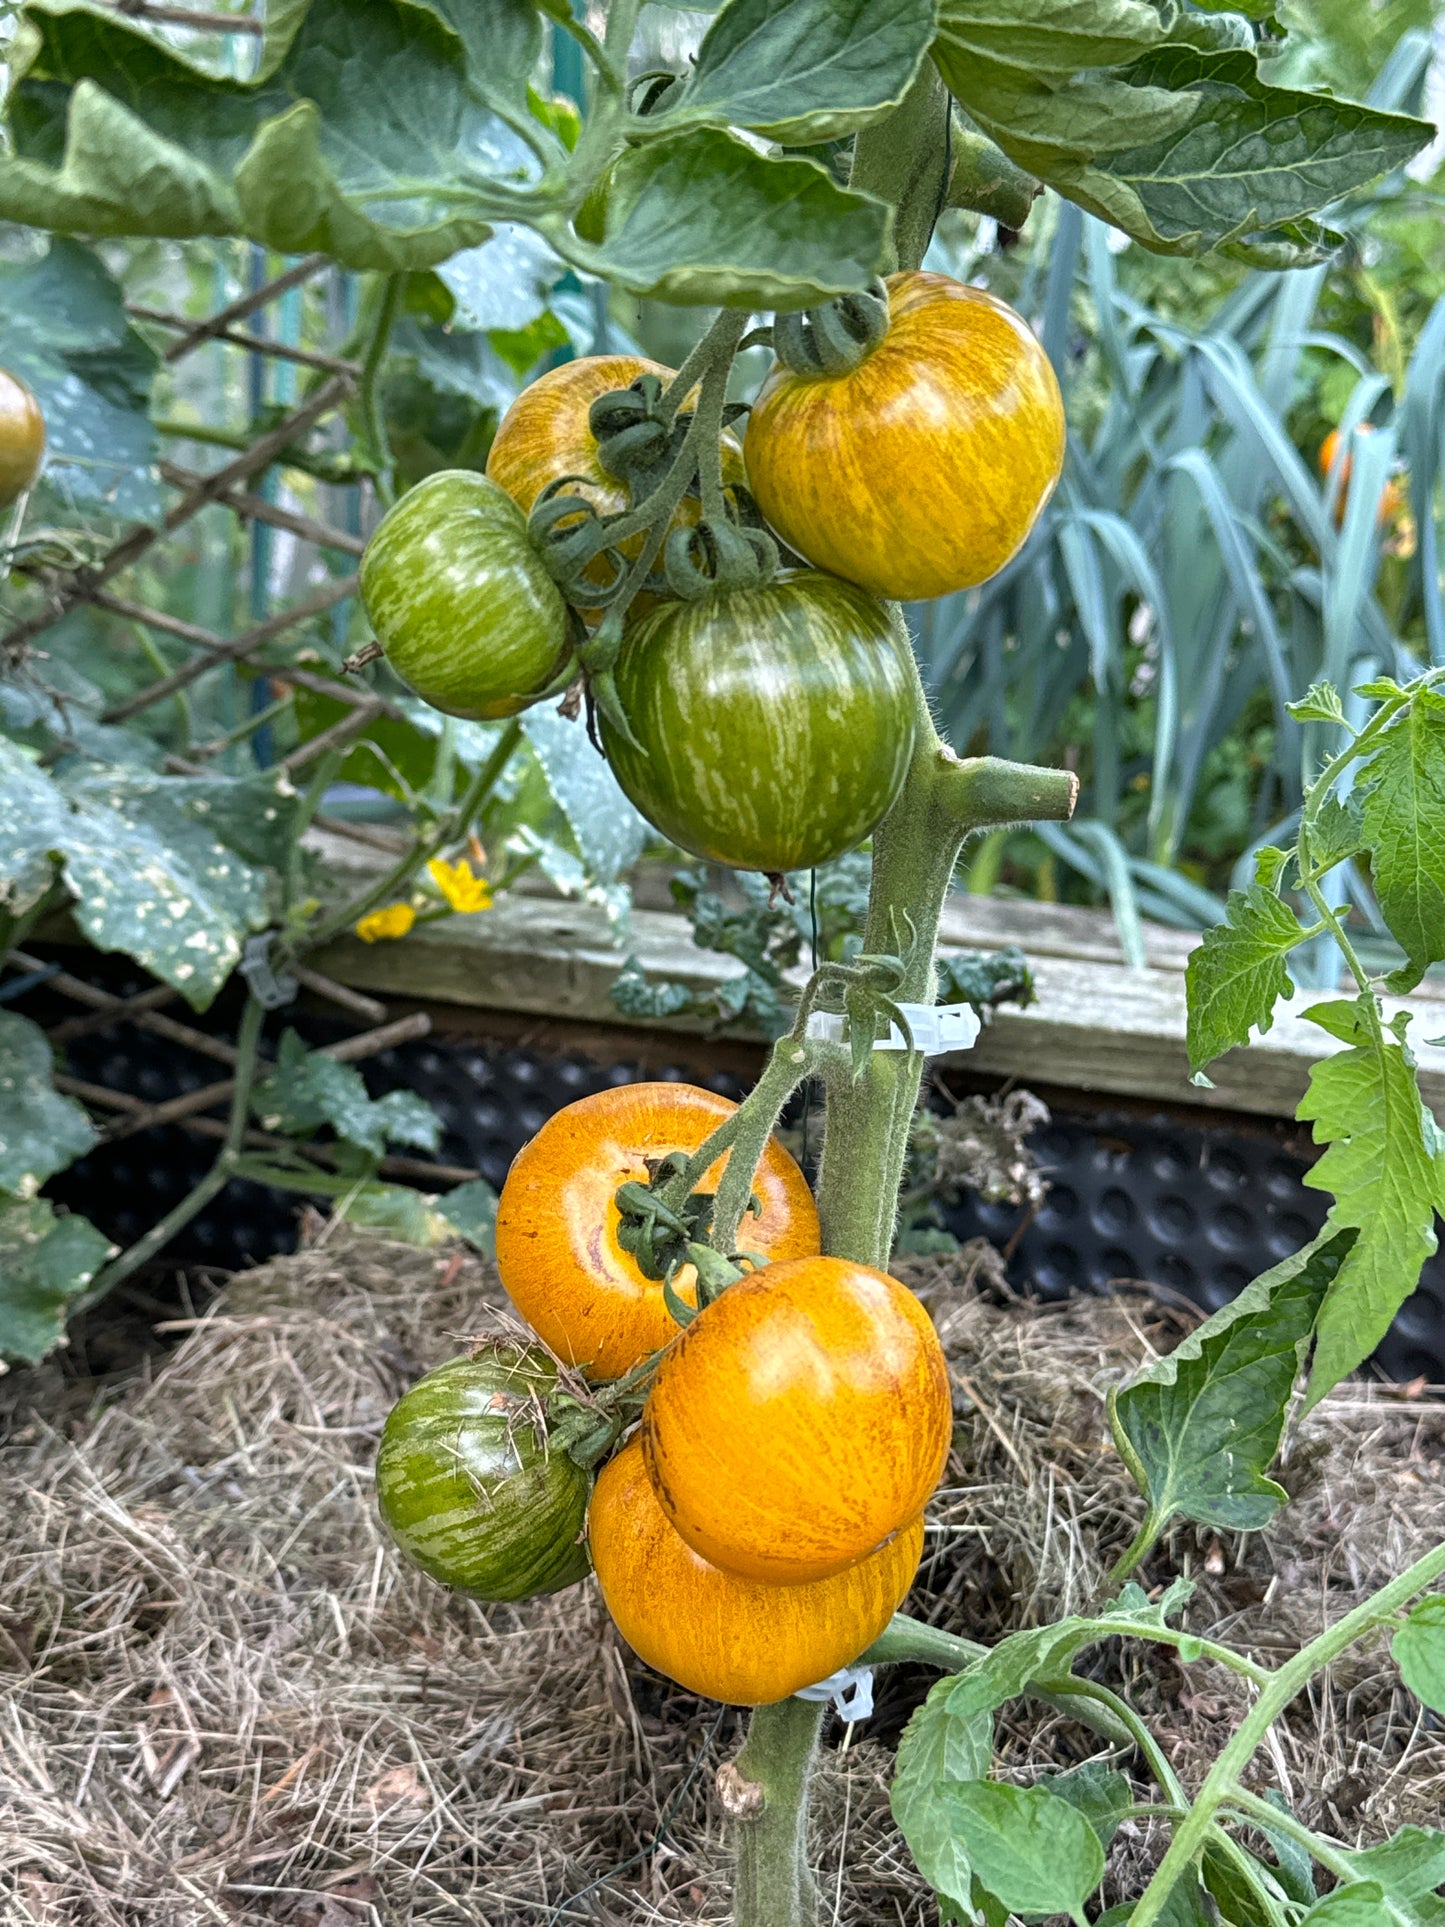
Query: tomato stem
775	1886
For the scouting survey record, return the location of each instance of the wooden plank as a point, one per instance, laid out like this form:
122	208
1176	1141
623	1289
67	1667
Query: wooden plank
1097	1026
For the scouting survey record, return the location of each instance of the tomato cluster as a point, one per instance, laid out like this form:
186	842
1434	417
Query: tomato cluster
764	1522
762	723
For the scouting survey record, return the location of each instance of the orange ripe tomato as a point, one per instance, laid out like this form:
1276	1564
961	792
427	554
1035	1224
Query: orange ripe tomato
22	438
544	435
729	1638
557	1219
1392	496
800	1421
922	470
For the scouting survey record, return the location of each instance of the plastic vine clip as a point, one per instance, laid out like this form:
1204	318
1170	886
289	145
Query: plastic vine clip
270	988
935	1028
851	1692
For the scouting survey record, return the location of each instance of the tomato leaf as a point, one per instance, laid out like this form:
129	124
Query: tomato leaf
1319	704
939	1748
1404	822
1200	1428
1385	1165
609	833
308	1089
374	130
1419	1652
167	869
1035	1853
471	1210
40	1131
1361	1904
63	329
1236	976
1157	120
1407	1866
45	1262
800	71
1101	1793
1337	832
703	217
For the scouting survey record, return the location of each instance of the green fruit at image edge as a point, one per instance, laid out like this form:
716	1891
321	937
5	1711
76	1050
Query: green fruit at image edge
461	601
775	724
468	1488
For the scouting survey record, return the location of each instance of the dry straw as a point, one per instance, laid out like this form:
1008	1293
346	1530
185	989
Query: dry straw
223	1698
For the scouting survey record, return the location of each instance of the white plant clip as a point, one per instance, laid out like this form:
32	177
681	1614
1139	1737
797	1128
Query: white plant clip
936	1028
851	1692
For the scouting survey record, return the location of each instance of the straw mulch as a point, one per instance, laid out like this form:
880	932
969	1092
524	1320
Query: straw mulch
223	1698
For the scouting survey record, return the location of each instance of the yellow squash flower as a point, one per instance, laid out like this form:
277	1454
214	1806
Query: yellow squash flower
462	889
394	921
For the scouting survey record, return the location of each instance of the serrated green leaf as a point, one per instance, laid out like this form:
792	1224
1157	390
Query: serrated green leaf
1101	1793
1035	1853
1336	833
45	1263
703	217
1385	1165
1236	976
308	1089
64	330
1419	1652
1403	811
1047	1652
1200	1428
374	130
1158	123
1319	704
1269	866
800	71
40	1131
1409	1865
471	1210
938	1748
1361	1904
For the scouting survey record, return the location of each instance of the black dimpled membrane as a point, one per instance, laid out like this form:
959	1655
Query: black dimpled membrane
1198	1211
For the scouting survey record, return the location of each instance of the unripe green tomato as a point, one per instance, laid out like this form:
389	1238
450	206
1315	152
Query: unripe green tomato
468	1487
461	601
22	438
773	726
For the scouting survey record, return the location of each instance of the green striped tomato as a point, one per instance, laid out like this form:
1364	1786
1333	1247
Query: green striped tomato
467	1486
460	599
775	724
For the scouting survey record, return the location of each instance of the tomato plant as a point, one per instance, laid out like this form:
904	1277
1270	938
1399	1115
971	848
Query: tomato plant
921	469
468	1486
716	1632
460	600
22	438
768	729
1392	495
794	1405
563	1245
800	1422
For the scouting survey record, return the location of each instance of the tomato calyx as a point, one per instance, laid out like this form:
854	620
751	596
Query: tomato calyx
654	1227
835	338
718	558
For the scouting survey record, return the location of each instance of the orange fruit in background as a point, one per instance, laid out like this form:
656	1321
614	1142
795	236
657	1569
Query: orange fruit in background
800	1421
726	1637
1392	495
557	1219
22	438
